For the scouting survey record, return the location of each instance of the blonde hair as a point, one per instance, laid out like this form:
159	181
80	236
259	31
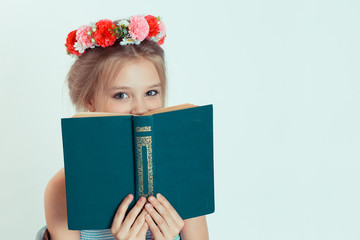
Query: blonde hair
92	72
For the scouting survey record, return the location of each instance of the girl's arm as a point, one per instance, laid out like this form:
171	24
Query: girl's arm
195	229
55	209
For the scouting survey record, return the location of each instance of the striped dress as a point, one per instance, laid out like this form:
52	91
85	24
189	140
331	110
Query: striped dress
106	234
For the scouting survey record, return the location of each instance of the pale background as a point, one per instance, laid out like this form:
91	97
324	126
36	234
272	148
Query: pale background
283	77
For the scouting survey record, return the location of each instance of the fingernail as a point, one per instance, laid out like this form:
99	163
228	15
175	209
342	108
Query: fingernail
151	198
158	195
148	205
130	196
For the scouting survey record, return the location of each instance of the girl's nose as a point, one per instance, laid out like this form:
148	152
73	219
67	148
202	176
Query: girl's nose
139	107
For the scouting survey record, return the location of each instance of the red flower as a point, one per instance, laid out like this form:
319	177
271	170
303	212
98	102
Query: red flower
102	35
161	40
153	24
70	41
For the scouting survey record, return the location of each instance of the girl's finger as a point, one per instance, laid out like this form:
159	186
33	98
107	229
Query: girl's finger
163	212
143	230
154	229
134	212
120	213
160	221
138	224
179	221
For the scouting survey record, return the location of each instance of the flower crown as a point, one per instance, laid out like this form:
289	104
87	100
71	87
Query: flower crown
105	32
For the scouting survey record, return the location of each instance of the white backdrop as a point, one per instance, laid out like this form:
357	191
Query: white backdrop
283	77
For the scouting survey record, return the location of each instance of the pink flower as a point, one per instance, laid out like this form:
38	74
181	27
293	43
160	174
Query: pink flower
82	36
162	29
138	28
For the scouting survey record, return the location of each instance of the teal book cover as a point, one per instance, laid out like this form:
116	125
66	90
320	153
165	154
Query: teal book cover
107	157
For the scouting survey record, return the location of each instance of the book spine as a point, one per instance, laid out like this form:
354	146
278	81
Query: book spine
143	127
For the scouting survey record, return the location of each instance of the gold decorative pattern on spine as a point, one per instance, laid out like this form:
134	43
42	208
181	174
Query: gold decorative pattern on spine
143	129
147	142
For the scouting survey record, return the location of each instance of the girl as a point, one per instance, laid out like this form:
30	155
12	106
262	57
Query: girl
120	68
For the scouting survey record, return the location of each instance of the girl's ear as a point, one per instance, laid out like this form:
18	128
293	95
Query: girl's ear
91	106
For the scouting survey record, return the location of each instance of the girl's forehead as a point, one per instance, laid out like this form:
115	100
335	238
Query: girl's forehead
136	73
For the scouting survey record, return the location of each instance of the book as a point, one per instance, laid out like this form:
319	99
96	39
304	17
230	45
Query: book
109	155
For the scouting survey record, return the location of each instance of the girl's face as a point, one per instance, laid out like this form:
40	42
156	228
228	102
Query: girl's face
135	90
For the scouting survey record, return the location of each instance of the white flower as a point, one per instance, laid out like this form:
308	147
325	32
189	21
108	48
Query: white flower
92	24
155	39
80	48
123	23
126	41
160	35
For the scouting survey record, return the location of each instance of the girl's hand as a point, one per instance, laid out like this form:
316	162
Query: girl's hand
134	226
164	222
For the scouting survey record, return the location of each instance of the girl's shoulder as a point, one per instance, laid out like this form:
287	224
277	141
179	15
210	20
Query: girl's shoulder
56	183
55	195
55	208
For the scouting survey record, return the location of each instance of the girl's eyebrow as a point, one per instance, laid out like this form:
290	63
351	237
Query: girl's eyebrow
155	85
125	87
120	87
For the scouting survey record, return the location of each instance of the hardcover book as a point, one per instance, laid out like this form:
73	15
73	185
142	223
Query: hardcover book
109	155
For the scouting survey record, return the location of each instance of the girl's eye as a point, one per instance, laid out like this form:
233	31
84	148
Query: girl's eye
152	93
120	95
